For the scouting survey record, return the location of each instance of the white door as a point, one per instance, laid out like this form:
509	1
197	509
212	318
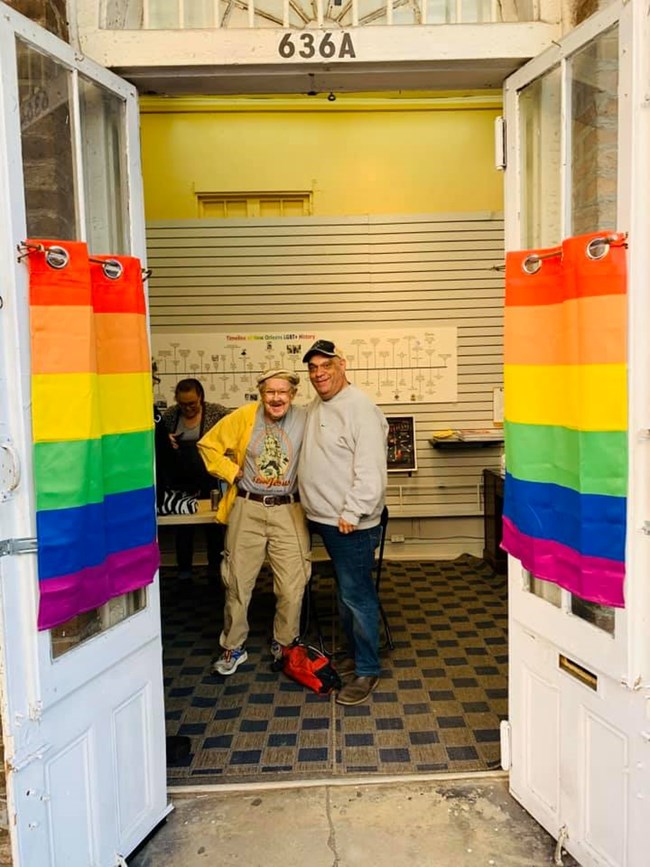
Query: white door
579	672
82	705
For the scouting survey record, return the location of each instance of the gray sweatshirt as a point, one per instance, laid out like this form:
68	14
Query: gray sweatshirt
342	470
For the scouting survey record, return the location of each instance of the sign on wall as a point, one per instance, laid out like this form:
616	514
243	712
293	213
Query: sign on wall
392	366
402	454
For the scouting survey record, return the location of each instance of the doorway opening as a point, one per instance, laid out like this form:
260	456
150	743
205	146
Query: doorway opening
389	246
442	696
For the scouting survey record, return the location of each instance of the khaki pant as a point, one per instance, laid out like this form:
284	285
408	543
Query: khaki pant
256	532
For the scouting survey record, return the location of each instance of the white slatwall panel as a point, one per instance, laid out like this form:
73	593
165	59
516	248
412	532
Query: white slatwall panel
321	273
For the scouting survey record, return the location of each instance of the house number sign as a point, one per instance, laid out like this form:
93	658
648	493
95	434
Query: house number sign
308	45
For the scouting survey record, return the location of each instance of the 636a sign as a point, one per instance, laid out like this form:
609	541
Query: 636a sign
308	45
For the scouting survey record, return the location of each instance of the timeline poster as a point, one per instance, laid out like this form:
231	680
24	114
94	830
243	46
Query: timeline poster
394	366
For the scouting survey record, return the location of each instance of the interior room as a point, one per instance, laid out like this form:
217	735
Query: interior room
355	216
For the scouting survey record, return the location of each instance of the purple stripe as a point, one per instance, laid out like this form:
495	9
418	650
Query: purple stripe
68	595
595	579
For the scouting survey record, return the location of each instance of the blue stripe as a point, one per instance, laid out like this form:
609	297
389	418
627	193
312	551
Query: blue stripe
593	524
72	539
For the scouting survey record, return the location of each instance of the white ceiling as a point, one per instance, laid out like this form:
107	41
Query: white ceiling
274	79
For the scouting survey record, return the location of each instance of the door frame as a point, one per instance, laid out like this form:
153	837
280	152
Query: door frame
32	684
618	709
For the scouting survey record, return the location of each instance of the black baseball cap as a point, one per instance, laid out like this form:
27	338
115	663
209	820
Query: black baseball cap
322	347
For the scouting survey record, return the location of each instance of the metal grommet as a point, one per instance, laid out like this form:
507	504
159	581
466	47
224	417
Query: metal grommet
57	257
532	264
112	269
597	248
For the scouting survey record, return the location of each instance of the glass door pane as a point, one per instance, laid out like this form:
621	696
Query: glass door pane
106	195
541	156
44	88
593	73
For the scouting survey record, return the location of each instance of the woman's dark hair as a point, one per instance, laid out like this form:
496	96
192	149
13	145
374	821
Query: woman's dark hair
186	385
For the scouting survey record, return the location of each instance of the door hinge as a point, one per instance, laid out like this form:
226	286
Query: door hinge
500	160
8	547
20	759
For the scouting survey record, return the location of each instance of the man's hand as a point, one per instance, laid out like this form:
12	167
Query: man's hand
346	528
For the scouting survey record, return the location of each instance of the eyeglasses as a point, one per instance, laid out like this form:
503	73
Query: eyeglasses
276	392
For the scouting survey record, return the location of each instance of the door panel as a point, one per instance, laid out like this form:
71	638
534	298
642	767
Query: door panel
578	162
83	728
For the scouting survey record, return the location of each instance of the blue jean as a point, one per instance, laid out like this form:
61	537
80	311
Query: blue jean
353	557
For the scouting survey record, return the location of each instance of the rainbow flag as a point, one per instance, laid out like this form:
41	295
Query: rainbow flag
565	378
93	433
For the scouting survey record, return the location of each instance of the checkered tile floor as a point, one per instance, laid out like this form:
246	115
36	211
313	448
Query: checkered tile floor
442	695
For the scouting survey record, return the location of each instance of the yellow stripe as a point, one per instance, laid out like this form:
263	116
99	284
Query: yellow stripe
77	406
581	396
126	402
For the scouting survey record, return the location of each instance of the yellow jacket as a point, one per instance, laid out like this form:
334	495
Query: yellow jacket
223	449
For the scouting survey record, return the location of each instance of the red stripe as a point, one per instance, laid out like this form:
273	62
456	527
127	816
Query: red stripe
64	287
124	295
569	274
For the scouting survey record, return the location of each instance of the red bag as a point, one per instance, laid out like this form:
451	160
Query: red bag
310	667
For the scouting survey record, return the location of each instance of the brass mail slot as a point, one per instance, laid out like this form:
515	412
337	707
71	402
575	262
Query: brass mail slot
582	674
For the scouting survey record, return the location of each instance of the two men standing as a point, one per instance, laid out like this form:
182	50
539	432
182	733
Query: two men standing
338	483
342	479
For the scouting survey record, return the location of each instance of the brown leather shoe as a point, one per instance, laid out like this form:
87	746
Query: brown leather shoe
357	690
345	667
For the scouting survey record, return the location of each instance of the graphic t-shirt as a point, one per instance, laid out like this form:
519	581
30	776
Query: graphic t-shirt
272	454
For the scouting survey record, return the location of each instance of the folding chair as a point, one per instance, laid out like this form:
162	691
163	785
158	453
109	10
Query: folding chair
310	612
383	523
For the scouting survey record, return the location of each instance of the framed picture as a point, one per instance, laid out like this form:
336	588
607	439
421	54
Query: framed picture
401	443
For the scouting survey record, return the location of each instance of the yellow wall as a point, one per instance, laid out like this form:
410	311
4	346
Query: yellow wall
357	155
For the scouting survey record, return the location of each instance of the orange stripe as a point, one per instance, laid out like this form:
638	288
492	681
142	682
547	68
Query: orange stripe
122	345
580	331
62	339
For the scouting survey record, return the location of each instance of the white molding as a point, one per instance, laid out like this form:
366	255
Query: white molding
216	48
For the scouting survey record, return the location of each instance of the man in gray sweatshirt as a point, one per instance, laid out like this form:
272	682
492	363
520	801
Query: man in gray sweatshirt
342	479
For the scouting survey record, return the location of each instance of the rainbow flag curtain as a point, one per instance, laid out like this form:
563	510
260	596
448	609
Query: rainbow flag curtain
92	429
565	382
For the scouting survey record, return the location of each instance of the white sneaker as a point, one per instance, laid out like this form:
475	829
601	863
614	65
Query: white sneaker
229	661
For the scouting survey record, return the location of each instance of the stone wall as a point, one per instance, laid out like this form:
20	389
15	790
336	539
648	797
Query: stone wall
595	136
50	14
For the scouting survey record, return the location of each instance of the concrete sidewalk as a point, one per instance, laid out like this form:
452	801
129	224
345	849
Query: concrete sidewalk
435	822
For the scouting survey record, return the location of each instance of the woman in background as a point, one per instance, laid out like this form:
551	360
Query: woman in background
185	423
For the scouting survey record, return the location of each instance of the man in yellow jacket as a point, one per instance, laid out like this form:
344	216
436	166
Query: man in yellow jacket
255	449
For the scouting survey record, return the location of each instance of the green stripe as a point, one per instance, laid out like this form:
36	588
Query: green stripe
78	472
128	461
590	462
